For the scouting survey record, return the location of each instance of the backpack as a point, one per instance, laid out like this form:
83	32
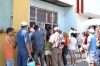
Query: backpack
60	43
98	42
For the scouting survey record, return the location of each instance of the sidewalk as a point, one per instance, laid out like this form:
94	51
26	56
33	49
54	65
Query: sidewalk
79	62
77	58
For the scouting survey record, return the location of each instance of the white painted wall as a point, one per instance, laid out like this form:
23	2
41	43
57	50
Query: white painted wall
80	20
92	6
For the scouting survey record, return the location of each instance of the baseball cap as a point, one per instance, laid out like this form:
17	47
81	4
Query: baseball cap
91	30
24	24
56	28
32	30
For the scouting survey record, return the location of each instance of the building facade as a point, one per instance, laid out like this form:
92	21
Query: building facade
52	13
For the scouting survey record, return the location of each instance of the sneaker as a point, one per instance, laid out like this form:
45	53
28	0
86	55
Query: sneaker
74	65
71	65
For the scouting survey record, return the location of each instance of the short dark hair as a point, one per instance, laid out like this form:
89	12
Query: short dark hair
36	27
84	33
23	26
74	35
72	28
60	31
9	30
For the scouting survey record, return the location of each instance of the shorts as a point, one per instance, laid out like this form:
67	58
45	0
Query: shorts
47	52
85	46
92	57
10	63
72	53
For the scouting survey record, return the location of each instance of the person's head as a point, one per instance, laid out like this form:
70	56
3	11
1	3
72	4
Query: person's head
65	34
36	27
91	31
10	31
24	25
32	30
83	34
56	29
60	32
40	24
71	28
50	29
74	35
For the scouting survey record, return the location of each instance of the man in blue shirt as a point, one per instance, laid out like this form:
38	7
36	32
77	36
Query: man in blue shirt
38	41
23	45
92	57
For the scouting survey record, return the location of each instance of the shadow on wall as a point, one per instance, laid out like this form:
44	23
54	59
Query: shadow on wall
2	57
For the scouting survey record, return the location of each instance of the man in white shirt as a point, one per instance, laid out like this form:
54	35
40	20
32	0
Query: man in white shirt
56	53
30	35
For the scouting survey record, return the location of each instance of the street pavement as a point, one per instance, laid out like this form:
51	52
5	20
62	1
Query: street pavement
82	64
79	62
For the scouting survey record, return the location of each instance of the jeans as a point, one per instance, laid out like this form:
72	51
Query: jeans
10	63
22	57
64	54
98	56
39	52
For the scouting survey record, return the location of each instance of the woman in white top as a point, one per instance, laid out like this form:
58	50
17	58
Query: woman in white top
72	48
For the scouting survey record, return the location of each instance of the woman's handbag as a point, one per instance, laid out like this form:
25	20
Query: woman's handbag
98	44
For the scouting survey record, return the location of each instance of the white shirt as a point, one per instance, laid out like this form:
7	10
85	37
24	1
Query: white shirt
30	34
54	38
73	42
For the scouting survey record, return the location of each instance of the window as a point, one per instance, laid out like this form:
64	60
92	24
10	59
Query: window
55	18
42	15
49	17
32	13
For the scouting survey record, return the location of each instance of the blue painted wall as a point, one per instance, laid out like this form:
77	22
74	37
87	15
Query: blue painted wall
5	13
66	15
70	18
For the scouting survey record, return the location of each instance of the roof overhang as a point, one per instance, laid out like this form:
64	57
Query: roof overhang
57	2
88	14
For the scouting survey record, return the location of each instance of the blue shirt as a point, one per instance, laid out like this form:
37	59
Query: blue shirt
22	38
41	28
38	38
92	40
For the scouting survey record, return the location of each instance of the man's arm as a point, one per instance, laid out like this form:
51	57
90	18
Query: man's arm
32	43
10	40
28	49
44	38
88	46
89	42
26	38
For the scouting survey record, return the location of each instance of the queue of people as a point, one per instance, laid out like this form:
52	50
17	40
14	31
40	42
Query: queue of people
51	46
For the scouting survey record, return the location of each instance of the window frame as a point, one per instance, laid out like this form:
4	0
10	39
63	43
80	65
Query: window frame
46	16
